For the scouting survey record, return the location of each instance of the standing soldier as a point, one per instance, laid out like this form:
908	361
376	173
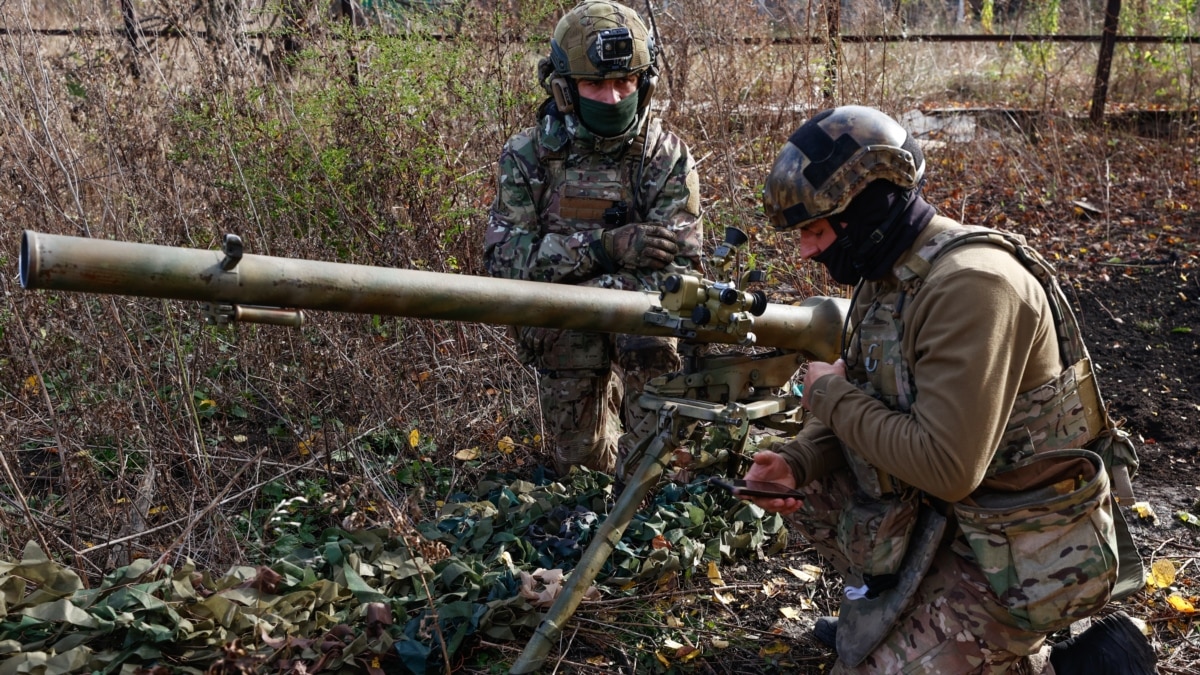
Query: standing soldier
596	194
956	471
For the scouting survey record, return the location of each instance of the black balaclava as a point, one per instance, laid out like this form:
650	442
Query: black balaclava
874	230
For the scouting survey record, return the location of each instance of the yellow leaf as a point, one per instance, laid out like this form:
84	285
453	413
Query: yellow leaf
31	385
719	644
774	649
537	438
304	447
239	438
467	454
1181	604
806	573
714	574
662	659
155	510
1144	511
789	612
598	661
724	598
1162	574
666	581
673	621
687	653
505	445
414	437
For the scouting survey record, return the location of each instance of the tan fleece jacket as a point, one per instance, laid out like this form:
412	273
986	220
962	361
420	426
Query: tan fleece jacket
976	335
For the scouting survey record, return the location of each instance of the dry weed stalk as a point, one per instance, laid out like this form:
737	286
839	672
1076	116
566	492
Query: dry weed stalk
120	416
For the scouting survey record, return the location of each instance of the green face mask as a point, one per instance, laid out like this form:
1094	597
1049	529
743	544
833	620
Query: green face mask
608	119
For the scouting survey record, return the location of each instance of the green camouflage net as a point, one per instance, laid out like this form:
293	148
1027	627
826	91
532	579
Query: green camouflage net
363	601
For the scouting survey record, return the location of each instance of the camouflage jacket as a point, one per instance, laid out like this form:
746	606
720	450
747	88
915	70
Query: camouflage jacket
554	183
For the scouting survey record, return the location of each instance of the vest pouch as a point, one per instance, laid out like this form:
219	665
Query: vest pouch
873	532
1042	531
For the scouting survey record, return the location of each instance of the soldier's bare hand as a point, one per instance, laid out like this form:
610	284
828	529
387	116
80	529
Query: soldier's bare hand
641	245
771	467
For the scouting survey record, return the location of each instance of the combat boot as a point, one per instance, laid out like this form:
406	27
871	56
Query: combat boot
1113	645
825	631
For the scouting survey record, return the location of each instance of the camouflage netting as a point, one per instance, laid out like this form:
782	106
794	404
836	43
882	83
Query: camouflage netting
368	600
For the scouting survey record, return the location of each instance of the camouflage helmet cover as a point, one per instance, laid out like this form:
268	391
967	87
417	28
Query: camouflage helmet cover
601	40
831	158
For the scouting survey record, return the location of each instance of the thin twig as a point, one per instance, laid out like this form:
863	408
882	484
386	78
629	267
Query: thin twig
211	505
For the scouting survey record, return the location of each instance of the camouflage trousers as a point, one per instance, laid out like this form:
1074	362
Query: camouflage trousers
953	624
588	385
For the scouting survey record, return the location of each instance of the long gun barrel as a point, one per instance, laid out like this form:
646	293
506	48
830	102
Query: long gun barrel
254	287
725	391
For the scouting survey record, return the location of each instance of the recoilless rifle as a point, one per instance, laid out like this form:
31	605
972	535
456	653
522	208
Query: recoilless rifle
715	395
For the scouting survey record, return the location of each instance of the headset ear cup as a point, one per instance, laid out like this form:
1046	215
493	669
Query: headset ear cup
649	84
560	89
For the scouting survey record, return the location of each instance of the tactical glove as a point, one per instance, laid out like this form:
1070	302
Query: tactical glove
640	245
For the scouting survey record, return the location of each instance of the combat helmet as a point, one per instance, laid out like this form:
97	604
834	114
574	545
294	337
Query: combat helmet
831	158
598	40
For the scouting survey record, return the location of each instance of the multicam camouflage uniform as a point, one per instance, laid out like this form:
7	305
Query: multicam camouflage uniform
955	622
559	187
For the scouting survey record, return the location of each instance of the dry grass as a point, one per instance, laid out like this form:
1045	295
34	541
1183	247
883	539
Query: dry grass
123	422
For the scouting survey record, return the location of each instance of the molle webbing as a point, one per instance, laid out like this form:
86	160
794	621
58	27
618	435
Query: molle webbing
593	209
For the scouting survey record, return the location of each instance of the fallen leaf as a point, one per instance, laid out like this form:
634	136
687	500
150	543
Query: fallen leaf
1162	574
714	574
806	573
1180	604
789	612
467	454
774	649
1144	511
